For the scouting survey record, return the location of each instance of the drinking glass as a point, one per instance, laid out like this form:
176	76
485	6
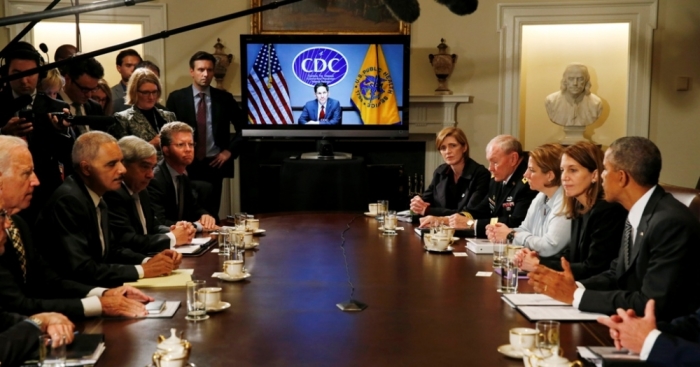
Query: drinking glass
240	220
224	242
390	222
196	301
547	337
499	252
50	354
509	275
382	207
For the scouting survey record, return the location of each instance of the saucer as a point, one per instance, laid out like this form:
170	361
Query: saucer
220	307
432	249
258	231
228	278
510	351
370	214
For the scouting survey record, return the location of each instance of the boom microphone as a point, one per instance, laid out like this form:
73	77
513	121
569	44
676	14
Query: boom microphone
405	11
461	7
45	49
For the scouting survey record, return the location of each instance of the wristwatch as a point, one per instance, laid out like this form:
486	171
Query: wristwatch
470	224
37	321
510	236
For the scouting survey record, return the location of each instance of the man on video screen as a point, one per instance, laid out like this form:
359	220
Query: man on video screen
322	110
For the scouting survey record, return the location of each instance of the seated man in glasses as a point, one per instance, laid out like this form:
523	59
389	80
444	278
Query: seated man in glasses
170	189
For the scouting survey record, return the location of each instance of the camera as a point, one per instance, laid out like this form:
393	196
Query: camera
28	115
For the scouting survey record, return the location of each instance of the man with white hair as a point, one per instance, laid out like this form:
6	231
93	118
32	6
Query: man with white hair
131	216
75	232
27	284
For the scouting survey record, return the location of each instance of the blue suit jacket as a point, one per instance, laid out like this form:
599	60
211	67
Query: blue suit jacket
679	342
334	115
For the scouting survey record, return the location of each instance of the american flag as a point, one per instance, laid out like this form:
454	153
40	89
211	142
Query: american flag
268	94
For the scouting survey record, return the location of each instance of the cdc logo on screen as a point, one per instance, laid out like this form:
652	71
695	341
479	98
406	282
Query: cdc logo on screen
320	64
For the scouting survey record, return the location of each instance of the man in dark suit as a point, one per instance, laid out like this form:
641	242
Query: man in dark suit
210	112
659	245
323	110
509	194
170	189
25	113
81	80
27	284
130	210
75	234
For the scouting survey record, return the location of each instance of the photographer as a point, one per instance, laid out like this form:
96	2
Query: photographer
25	113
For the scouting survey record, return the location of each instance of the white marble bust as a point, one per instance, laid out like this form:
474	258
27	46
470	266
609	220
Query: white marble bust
574	104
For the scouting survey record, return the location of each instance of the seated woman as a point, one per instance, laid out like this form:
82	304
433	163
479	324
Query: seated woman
597	225
459	184
143	119
545	230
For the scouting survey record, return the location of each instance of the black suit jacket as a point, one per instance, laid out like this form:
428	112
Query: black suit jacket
225	112
125	224
19	340
510	207
164	200
595	241
44	290
478	178
679	342
663	265
48	146
71	243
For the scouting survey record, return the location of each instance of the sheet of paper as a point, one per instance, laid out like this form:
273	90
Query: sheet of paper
558	313
460	254
178	278
215	251
484	273
609	353
196	244
532	299
201	240
494	221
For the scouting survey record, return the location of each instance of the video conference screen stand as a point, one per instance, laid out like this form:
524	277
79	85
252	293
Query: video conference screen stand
325	152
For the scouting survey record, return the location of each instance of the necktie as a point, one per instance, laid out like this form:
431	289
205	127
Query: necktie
82	129
627	243
19	248
103	218
322	115
180	197
139	209
201	151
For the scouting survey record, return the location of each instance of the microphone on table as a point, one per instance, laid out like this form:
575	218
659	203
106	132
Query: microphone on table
351	304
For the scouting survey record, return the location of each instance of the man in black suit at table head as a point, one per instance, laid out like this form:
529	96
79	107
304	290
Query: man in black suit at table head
509	195
170	189
210	112
659	252
27	284
131	214
75	232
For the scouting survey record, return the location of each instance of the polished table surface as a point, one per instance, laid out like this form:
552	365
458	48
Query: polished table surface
424	309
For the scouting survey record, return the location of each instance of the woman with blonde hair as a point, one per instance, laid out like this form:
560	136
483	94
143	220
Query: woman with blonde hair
545	230
597	225
459	184
52	83
143	119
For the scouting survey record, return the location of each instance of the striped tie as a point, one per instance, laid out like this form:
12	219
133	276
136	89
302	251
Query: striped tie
627	243
19	248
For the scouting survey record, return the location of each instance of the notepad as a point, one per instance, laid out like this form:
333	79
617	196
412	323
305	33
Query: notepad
559	313
178	278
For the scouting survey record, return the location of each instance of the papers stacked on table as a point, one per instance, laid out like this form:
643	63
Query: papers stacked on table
178	278
537	307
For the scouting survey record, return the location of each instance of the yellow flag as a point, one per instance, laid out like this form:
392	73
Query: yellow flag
373	94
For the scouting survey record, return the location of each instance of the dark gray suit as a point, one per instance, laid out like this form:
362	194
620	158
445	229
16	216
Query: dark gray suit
663	265
164	199
19	339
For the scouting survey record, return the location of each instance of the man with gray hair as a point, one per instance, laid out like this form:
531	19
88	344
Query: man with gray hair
75	232
27	283
171	189
131	217
509	195
659	251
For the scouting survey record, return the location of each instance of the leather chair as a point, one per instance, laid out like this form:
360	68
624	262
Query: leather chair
687	196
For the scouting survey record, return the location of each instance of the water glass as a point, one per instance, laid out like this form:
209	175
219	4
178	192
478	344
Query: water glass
390	223
240	219
196	301
224	243
499	253
509	275
50	354
382	208
548	337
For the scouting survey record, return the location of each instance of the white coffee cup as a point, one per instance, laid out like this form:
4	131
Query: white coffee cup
448	231
522	338
440	242
247	238
373	208
212	296
252	224
233	268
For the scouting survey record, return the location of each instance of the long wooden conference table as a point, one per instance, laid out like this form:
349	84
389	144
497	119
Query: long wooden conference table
424	309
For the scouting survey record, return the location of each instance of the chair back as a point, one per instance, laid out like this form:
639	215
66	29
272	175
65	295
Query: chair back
689	197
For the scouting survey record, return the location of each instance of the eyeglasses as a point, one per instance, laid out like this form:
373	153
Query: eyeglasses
148	92
99	100
182	145
85	90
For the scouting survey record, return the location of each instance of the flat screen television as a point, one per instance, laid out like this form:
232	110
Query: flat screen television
367	78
